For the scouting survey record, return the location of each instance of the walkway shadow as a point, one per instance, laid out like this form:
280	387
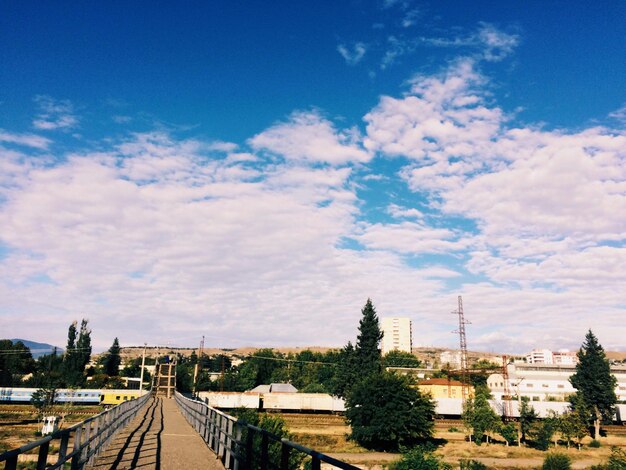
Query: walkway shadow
155	407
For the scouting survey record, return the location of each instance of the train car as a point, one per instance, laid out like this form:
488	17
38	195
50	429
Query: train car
231	400
16	395
115	397
303	402
104	397
78	397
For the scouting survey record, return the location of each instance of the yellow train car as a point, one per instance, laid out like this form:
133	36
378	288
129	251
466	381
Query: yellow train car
115	397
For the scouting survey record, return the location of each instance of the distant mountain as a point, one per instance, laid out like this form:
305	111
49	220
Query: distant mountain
38	349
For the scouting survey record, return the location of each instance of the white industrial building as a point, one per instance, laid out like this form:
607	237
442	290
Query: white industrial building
398	335
545	382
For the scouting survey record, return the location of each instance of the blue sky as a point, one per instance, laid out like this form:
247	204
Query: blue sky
255	171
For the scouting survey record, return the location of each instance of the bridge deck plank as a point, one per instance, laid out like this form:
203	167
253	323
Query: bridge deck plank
159	438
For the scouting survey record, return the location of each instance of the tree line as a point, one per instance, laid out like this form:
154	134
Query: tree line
67	369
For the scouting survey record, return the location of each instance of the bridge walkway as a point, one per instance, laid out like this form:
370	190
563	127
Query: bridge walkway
159	438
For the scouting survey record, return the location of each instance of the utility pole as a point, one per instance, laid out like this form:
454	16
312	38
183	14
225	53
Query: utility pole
197	366
143	364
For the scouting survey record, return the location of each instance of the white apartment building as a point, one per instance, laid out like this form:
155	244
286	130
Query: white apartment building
546	356
546	382
398	335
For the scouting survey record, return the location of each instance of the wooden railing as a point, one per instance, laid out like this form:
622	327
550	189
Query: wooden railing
86	438
242	446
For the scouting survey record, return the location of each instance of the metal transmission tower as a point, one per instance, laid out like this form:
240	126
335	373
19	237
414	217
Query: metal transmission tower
507	412
463	344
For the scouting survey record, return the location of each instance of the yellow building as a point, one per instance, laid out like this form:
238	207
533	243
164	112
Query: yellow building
444	388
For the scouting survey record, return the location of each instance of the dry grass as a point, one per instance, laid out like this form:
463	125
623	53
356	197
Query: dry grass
328	434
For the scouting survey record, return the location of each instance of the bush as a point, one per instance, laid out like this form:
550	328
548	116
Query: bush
557	461
617	461
594	443
419	458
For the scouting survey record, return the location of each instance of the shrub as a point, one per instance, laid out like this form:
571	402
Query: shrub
557	461
617	461
419	458
594	443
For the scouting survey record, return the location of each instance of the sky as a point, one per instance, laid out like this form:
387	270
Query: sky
254	171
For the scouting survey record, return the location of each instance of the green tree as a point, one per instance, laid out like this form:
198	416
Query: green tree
43	400
15	361
400	359
77	354
367	344
594	383
527	417
48	372
362	359
347	371
112	360
385	412
479	415
545	431
509	433
572	427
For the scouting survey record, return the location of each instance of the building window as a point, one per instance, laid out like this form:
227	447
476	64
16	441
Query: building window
530	385
560	386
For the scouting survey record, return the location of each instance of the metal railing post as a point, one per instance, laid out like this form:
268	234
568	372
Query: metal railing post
284	456
264	451
42	458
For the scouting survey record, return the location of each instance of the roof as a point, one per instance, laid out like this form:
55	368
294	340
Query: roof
446	382
288	388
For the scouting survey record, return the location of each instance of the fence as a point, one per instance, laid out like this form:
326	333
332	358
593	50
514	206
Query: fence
242	446
87	437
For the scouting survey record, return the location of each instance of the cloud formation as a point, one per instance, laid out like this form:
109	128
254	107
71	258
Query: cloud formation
309	137
352	54
54	114
279	240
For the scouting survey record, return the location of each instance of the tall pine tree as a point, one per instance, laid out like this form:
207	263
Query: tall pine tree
112	360
367	350
594	383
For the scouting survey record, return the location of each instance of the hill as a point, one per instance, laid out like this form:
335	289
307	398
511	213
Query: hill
37	349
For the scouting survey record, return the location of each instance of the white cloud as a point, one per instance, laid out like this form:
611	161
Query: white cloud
619	114
307	136
488	42
28	140
397	212
54	114
409	237
441	116
352	54
411	17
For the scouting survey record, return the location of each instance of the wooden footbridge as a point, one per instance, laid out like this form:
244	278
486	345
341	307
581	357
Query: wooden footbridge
163	430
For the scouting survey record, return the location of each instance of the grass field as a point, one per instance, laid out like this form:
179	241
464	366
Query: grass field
328	434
